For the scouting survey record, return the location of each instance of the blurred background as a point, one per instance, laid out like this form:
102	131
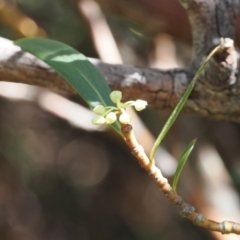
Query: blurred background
61	178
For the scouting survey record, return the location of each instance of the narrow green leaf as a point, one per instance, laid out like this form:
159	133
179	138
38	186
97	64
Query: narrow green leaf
179	106
73	66
181	163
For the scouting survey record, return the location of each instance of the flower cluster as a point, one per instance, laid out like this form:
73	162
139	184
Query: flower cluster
110	114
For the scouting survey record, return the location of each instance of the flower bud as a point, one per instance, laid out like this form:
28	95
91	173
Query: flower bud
116	96
111	118
99	110
140	105
98	120
124	118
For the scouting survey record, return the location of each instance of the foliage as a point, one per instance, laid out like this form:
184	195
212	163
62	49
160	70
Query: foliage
74	67
183	159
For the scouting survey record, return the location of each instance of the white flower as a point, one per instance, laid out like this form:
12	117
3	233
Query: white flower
99	110
140	105
98	120
125	118
109	114
116	96
111	118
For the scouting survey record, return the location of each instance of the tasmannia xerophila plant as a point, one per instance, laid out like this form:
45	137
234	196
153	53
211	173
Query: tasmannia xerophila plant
88	82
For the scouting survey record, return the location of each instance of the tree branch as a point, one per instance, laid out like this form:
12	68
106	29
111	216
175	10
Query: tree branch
162	89
153	85
202	18
210	20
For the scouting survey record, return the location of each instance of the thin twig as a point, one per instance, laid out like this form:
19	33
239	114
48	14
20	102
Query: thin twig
185	209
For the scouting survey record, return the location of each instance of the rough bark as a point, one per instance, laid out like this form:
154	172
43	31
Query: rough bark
216	94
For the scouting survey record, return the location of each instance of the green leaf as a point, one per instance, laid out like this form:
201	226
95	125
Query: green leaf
181	163
171	120
179	106
74	67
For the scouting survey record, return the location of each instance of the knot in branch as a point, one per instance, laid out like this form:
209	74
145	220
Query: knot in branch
220	72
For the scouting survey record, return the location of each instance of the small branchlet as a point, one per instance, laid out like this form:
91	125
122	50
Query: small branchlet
185	210
110	114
